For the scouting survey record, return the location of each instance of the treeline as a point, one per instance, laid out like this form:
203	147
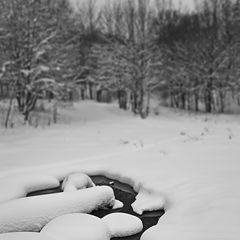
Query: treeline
29	40
128	50
201	56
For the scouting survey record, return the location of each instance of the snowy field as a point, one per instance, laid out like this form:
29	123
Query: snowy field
187	163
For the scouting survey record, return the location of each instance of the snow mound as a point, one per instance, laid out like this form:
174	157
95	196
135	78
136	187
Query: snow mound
77	227
24	236
20	185
148	201
31	214
117	204
122	224
77	181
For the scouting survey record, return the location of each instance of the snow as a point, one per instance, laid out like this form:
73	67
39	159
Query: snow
24	236
77	181
20	185
117	204
122	224
77	227
32	213
148	201
190	162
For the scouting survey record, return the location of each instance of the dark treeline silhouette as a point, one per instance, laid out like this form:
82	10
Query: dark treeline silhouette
127	50
201	56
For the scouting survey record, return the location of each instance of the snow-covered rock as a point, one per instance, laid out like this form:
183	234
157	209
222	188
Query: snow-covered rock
24	236
22	184
77	226
31	214
117	204
148	201
77	181
122	224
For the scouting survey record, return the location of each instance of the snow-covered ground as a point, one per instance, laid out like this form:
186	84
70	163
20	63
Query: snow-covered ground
186	162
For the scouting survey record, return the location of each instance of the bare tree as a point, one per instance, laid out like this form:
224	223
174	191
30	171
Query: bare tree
31	28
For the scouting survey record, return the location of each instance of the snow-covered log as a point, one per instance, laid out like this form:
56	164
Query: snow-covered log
33	213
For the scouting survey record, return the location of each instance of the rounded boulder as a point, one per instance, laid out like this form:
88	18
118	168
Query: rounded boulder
122	224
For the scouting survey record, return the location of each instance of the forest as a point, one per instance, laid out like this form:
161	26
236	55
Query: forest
128	51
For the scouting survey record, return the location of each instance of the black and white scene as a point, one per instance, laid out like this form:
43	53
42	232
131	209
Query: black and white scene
119	119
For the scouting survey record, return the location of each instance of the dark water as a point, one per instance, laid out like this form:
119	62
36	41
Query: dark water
44	192
125	194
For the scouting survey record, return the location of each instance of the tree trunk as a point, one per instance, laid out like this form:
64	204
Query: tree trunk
55	113
183	100
222	100
91	91
171	100
82	94
148	103
99	96
141	109
208	103
134	101
189	102
10	103
196	101
1	91
29	104
8	112
208	98
122	99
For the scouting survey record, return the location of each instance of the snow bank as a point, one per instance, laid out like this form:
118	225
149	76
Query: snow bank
147	200
24	236
122	224
77	226
20	185
31	214
181	231
77	181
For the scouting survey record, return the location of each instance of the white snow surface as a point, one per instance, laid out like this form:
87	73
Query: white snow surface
148	200
190	160
123	224
33	213
20	185
77	181
24	236
117	204
77	227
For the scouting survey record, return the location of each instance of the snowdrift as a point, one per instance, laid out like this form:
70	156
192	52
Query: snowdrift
21	184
